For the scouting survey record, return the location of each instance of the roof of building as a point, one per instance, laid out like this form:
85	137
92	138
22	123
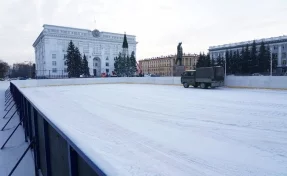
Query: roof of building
87	31
169	56
66	27
241	44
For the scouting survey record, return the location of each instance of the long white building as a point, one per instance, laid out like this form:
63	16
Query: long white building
100	49
278	46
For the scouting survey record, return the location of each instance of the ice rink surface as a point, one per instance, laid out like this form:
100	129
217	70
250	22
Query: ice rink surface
167	130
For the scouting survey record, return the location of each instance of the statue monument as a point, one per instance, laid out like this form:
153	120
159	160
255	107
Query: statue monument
178	69
179	54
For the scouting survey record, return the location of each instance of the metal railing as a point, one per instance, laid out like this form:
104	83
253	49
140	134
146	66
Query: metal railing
54	152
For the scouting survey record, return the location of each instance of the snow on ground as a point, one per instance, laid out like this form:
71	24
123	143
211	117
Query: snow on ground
168	130
16	145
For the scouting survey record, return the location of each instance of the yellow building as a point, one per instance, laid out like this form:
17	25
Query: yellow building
163	66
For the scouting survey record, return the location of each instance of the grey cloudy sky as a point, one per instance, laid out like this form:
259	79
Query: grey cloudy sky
158	24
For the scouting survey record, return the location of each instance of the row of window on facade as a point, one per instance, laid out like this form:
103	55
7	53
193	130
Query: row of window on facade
55	70
54	56
96	64
221	54
165	64
54	63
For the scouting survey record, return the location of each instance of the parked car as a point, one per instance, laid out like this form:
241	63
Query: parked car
22	78
257	74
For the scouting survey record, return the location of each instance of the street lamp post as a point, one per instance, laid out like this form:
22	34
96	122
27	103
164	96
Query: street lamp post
271	61
225	68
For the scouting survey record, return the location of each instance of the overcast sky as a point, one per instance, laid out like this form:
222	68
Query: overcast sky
158	24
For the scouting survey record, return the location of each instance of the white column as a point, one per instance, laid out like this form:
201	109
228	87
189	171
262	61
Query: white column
210	54
90	63
279	55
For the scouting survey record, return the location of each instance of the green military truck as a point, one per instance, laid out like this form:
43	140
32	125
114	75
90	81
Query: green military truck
203	77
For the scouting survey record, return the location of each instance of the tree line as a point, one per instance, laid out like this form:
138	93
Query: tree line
4	67
247	60
24	70
21	69
76	65
125	65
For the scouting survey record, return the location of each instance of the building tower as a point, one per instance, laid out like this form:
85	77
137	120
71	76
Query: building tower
125	46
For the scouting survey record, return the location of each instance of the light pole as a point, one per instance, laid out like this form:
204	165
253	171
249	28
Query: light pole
224	67
224	55
271	61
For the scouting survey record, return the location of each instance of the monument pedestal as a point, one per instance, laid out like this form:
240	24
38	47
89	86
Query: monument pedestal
178	70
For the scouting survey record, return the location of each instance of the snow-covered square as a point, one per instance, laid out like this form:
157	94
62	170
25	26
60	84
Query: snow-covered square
130	129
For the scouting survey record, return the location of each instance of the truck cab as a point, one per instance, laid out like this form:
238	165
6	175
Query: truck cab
188	78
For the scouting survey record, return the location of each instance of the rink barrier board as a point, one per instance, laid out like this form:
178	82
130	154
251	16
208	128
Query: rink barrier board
259	88
259	82
54	152
102	84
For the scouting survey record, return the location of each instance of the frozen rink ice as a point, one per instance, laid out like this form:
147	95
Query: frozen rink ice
144	130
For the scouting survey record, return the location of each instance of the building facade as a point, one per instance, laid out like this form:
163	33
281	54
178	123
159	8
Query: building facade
163	66
278	47
100	49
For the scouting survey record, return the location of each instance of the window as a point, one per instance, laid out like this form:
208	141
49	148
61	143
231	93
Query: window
54	70
188	74
107	64
107	58
96	64
284	55
283	62
54	63
275	55
107	70
65	70
53	56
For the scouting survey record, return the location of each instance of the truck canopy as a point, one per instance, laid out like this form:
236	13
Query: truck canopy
219	73
205	72
214	73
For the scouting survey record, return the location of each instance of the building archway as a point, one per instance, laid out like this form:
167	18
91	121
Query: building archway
97	66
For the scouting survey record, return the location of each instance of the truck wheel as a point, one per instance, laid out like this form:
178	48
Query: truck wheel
185	85
202	85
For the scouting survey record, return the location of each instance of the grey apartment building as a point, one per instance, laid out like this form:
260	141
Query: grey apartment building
278	46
